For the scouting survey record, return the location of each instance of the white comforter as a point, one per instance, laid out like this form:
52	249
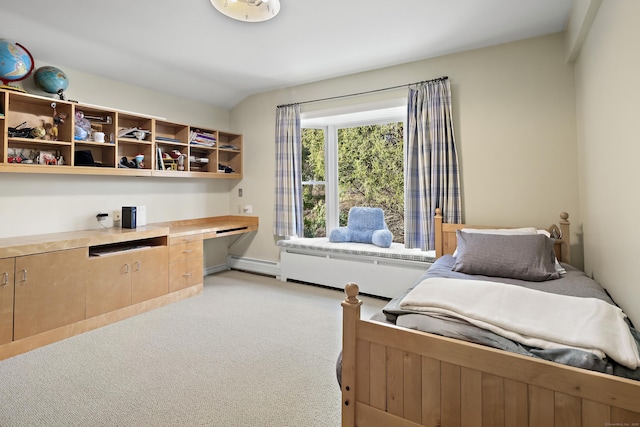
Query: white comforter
531	317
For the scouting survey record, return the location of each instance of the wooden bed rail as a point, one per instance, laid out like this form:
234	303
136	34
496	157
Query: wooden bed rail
396	377
445	236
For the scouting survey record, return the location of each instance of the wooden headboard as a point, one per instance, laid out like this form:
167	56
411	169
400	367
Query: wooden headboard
446	241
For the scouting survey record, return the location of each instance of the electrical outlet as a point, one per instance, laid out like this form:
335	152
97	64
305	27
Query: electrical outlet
117	215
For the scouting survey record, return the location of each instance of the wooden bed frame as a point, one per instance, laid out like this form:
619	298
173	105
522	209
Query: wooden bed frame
396	377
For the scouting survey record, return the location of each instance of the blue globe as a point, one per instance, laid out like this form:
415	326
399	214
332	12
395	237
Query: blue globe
50	79
16	62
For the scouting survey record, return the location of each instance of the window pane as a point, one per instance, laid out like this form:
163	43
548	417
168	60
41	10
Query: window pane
315	224
370	172
312	155
313	188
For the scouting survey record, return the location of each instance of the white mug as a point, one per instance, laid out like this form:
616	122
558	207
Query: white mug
98	136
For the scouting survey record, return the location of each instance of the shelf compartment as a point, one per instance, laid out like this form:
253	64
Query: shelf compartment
38	112
126	121
101	121
170	133
3	126
230	151
103	154
170	164
129	246
202	152
38	151
131	148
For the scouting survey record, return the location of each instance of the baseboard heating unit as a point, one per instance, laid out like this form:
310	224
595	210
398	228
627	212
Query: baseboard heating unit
384	272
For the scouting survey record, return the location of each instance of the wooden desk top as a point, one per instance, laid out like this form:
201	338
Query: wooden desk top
212	227
40	243
209	228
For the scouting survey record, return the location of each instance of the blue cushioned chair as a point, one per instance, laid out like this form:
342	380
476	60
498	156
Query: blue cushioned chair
364	225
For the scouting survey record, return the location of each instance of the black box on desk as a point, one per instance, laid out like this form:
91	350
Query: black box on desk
129	217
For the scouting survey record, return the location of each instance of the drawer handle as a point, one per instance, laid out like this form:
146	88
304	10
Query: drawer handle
186	275
187	251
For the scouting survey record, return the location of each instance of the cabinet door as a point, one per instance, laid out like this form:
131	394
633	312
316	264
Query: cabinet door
49	291
108	283
6	299
150	273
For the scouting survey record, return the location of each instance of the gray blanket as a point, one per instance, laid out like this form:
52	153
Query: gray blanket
573	283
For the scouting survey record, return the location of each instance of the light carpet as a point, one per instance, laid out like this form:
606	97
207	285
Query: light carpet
249	351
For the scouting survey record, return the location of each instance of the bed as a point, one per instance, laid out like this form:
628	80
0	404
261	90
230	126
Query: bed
396	376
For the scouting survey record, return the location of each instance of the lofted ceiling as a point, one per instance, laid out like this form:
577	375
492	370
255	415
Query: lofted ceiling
188	49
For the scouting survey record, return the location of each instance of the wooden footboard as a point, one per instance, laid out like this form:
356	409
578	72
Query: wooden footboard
394	377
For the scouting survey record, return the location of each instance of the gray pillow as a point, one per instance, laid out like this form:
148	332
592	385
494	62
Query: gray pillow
524	257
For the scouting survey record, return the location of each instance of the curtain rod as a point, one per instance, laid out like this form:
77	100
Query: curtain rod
363	93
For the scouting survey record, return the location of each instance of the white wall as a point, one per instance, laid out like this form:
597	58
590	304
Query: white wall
608	90
44	203
514	113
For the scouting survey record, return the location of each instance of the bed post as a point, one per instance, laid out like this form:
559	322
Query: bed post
350	317
566	237
437	221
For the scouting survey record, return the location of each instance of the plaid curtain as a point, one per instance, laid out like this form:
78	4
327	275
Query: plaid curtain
431	164
287	218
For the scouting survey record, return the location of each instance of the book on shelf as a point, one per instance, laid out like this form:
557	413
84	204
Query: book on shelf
166	139
160	161
198	137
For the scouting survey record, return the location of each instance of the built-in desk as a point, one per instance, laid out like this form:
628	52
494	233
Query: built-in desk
210	228
54	286
186	262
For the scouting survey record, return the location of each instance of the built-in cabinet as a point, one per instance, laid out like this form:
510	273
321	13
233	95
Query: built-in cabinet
108	283
185	262
44	291
7	287
150	273
125	274
45	297
44	135
54	286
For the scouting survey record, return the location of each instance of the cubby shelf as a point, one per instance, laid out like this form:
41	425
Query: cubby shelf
164	149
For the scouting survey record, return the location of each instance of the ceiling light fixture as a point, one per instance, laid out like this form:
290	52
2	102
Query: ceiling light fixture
248	10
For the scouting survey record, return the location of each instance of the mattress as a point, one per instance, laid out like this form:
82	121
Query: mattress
573	283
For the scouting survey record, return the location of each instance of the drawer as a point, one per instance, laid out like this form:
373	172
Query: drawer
182	251
185	273
176	240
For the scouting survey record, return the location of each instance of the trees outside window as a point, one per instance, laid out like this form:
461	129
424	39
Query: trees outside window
313	182
355	165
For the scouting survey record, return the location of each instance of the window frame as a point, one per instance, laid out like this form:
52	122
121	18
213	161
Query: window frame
331	124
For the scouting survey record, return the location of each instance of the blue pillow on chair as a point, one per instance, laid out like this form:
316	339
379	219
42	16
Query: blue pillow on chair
364	225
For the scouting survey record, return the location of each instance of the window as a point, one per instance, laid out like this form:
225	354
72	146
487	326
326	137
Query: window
353	160
313	182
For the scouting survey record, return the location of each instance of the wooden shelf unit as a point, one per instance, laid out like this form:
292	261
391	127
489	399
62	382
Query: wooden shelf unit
108	157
